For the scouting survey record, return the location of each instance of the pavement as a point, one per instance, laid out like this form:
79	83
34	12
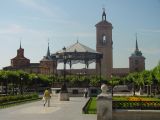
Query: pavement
58	110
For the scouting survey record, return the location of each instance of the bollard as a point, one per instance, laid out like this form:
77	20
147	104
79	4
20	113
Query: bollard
104	105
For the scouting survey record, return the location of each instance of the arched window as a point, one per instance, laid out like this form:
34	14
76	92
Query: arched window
104	39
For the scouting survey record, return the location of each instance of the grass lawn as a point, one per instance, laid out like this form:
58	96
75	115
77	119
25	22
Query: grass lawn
91	107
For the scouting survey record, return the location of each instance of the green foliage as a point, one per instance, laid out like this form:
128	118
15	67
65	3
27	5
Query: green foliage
114	81
156	72
6	99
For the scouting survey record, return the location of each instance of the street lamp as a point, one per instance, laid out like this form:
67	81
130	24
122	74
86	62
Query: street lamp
70	63
36	77
100	69
21	85
57	57
64	87
64	92
112	85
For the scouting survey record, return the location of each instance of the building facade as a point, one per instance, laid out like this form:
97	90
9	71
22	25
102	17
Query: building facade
104	45
136	60
46	66
20	60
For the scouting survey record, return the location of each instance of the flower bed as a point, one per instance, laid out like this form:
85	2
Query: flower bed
142	103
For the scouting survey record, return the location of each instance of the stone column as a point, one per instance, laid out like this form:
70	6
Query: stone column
104	105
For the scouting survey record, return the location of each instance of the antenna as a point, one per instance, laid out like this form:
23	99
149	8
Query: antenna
20	42
77	39
136	35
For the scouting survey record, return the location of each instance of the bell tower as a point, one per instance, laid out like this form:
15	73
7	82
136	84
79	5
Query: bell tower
136	60
104	45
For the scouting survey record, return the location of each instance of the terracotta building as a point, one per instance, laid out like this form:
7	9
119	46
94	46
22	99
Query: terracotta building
136	60
104	45
20	60
46	66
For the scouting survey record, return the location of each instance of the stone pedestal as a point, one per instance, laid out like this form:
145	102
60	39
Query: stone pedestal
63	96
104	105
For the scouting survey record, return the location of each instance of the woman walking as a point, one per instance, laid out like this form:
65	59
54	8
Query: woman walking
47	97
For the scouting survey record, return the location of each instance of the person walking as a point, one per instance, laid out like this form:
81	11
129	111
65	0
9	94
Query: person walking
85	92
47	97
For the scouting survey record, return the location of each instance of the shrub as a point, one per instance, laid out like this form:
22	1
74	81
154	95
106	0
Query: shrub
6	99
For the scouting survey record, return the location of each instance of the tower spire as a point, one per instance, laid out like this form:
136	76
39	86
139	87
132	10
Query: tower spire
103	15
136	43
20	45
77	39
48	51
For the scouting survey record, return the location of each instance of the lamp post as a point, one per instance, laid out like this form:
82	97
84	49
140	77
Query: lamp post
21	85
64	96
70	66
57	57
100	69
36	89
112	85
64	87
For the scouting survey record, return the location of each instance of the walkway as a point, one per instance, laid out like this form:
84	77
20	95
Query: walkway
59	110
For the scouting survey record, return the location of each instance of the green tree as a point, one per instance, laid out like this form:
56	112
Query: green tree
134	79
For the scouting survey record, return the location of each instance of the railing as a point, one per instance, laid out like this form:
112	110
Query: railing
142	105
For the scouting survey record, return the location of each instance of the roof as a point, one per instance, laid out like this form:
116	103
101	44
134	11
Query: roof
120	70
78	47
77	53
103	23
34	64
46	58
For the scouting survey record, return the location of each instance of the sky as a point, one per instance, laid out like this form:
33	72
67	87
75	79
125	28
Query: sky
63	22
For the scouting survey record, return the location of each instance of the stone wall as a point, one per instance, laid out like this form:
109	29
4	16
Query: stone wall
136	115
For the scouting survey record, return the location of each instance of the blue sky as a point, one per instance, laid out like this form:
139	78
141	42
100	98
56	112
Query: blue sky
65	21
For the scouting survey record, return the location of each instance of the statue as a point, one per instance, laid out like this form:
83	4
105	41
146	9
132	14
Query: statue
104	105
104	89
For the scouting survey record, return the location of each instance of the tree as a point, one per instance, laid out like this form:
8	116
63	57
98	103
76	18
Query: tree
156	73
4	81
12	81
134	79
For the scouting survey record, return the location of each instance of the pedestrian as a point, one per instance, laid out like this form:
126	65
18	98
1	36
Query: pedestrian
85	92
47	97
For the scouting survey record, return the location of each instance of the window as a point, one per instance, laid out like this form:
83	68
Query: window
136	62
75	91
136	69
104	39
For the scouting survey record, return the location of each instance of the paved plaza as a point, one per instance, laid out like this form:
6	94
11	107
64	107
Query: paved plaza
59	110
